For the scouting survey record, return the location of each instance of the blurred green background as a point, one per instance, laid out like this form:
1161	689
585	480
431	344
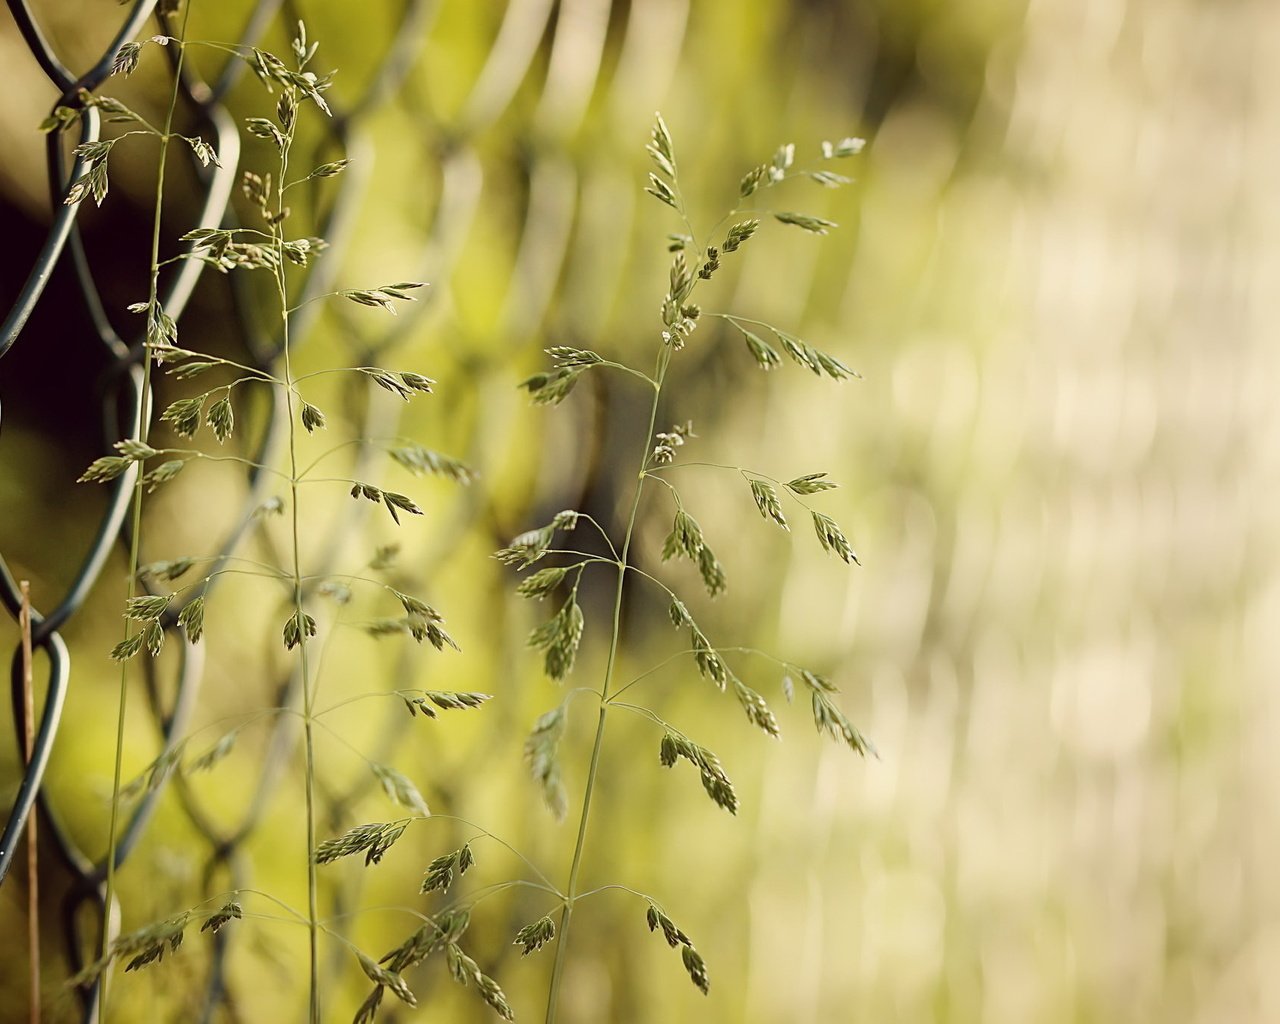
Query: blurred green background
1052	272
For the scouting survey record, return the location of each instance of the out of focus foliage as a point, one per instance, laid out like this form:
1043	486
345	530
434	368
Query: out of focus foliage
1052	272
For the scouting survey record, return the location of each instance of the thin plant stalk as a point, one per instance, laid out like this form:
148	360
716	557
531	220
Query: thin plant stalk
144	419
33	857
593	769
313	919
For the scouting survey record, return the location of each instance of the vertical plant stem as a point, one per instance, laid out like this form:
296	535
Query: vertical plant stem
308	697
33	860
143	425
593	769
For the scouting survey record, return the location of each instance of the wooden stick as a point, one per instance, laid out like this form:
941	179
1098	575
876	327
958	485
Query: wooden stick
33	877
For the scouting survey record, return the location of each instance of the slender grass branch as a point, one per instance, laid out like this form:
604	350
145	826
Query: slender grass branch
33	858
593	769
631	370
502	842
254	372
705	465
648	672
140	434
266	573
277	230
356	699
615	885
262	575
747	474
654	475
653	579
602	531
267	568
643	712
382	694
484	892
332	451
206	457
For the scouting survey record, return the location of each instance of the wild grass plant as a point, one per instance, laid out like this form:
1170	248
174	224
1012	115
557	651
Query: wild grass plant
696	258
266	245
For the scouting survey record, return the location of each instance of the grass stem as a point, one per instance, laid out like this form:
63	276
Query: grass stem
308	696
593	769
33	856
140	434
